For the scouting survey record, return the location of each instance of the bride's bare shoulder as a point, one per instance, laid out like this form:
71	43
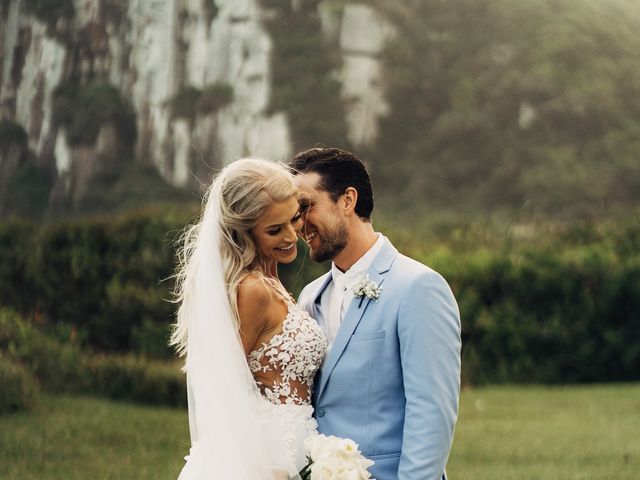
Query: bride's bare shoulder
254	301
254	292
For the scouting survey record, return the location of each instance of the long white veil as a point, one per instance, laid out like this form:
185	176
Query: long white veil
228	439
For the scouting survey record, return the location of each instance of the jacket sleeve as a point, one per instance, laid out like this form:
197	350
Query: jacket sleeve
429	335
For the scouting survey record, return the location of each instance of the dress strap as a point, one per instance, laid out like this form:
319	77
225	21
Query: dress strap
273	283
279	289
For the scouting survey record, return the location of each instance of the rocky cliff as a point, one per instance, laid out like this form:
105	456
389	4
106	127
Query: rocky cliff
182	85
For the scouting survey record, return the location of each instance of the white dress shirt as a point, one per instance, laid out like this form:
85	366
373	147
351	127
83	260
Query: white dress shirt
340	290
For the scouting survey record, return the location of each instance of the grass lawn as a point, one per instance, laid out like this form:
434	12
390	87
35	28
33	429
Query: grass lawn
565	433
74	438
503	433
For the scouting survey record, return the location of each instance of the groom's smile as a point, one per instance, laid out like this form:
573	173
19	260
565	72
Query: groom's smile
309	236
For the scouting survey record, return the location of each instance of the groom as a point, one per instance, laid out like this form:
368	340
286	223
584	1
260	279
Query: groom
391	378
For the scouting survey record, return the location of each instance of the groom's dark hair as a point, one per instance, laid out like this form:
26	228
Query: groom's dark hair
338	170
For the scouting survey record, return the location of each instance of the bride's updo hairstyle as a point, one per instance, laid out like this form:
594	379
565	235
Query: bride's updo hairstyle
239	195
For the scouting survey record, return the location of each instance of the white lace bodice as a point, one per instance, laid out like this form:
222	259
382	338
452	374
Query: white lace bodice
284	366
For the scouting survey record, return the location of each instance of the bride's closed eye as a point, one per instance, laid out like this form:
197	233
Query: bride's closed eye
294	221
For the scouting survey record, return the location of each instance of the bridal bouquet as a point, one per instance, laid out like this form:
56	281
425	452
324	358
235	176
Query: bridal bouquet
334	458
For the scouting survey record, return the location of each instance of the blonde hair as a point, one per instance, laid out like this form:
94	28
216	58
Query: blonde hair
239	195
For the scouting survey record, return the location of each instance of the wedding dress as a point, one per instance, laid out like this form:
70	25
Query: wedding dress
241	427
284	369
272	426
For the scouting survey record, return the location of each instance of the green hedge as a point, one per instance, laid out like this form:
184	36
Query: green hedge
566	311
17	287
64	367
562	306
105	280
55	365
19	389
130	377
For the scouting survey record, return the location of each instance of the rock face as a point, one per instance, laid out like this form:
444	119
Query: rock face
222	43
151	51
363	34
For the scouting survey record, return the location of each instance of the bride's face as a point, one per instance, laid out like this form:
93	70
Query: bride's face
276	232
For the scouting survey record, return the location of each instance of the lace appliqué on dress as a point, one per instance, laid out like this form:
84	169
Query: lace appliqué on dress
290	359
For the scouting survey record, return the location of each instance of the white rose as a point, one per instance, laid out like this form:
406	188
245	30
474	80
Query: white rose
336	458
324	469
348	447
353	474
320	446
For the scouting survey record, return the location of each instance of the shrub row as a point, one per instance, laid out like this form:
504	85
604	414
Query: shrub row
104	282
63	367
561	308
134	378
550	313
19	388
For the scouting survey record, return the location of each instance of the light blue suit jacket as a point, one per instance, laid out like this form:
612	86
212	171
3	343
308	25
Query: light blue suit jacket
391	381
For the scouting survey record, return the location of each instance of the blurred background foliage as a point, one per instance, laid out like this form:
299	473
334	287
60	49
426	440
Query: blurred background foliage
530	107
91	301
509	161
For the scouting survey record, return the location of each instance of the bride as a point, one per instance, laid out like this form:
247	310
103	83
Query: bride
251	352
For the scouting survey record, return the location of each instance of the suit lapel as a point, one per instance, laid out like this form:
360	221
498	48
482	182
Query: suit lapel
380	265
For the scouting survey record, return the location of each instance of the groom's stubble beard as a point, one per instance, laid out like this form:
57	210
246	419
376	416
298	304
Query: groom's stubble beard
331	243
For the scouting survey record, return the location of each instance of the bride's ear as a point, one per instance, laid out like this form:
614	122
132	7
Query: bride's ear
349	199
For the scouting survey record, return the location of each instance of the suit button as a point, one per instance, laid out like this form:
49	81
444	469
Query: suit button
320	412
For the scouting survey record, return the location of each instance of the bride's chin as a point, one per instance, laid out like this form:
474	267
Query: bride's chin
288	257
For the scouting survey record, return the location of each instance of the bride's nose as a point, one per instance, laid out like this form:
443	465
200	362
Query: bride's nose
291	234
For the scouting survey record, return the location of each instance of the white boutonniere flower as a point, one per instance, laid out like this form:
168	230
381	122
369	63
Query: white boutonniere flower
365	288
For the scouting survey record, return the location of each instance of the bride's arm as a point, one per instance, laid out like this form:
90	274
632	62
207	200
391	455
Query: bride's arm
254	299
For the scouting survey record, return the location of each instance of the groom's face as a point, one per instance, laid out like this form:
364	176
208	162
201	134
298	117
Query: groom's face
324	229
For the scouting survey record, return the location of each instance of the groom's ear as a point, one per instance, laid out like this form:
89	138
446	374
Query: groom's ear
349	199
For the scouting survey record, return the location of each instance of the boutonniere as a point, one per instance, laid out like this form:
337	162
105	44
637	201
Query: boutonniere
365	288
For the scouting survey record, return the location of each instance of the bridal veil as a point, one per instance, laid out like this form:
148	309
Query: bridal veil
229	439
